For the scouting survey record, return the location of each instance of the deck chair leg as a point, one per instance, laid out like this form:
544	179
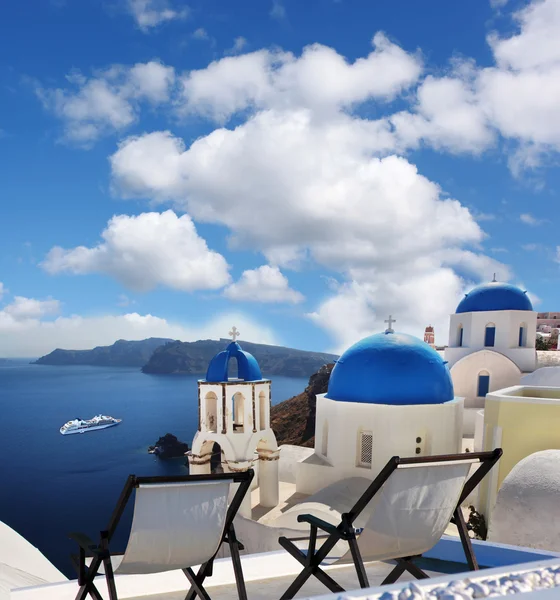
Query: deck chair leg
236	560
204	572
196	584
413	569
465	539
87	575
358	562
394	574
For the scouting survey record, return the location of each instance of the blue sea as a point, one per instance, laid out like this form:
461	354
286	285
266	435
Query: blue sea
53	484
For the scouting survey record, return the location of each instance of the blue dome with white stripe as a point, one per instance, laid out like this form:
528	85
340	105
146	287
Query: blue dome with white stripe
391	368
494	296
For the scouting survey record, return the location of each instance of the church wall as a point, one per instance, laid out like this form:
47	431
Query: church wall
507	323
502	371
394	431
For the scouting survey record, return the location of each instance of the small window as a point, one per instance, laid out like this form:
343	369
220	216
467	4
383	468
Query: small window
490	336
483	385
460	337
366	449
522	336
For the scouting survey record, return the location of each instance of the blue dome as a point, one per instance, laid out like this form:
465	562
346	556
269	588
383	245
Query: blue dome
391	368
494	296
247	365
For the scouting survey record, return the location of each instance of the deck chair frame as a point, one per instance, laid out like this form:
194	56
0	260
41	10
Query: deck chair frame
102	555
313	557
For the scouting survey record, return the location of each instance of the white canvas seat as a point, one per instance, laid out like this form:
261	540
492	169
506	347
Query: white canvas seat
178	523
400	515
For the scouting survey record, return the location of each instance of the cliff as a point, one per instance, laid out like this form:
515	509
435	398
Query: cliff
193	357
293	421
122	353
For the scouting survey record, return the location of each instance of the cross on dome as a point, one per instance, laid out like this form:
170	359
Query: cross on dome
494	279
390	321
234	333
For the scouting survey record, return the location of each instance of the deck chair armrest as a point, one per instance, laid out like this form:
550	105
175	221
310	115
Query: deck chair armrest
85	542
319	523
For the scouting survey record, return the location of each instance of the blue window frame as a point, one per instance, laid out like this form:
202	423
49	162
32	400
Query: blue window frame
460	337
483	385
521	335
490	336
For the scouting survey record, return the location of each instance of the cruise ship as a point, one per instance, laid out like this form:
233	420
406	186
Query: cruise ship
80	426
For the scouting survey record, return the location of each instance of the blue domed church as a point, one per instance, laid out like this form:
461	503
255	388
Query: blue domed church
491	345
389	394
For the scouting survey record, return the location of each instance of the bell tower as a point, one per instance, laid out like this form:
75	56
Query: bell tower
234	422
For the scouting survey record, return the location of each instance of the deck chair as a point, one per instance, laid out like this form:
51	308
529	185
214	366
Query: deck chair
178	522
400	515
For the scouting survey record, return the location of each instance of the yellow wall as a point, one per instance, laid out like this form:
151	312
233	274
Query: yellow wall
526	427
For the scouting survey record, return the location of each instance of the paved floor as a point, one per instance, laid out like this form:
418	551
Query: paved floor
272	589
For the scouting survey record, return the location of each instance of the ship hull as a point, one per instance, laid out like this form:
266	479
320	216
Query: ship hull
87	429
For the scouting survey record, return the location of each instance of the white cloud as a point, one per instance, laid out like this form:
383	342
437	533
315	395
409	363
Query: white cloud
145	251
278	10
29	308
200	34
239	43
529	219
2	290
32	337
264	284
151	13
447	117
320	79
315	190
108	101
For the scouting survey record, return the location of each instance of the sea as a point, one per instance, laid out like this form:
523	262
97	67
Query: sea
53	484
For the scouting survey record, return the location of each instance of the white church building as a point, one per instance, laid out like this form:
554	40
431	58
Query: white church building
492	339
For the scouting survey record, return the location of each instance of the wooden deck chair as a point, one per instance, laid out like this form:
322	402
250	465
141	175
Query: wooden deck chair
178	522
400	515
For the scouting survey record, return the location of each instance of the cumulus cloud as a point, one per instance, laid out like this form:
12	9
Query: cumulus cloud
264	284
308	190
151	13
320	79
108	101
145	251
32	337
23	308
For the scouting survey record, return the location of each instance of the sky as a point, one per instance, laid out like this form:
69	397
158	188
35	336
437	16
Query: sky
299	169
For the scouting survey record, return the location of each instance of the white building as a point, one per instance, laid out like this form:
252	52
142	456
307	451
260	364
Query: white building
491	343
234	423
389	394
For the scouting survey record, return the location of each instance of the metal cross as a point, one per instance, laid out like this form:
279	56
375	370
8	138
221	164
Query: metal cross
234	333
390	321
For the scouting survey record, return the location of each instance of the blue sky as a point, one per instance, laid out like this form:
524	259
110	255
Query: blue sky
175	168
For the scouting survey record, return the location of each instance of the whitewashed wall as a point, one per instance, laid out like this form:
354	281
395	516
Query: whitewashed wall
507	323
394	430
503	373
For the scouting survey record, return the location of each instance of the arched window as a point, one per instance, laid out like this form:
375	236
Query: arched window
325	440
483	384
238	412
262	411
211	404
490	335
460	336
233	368
522	335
